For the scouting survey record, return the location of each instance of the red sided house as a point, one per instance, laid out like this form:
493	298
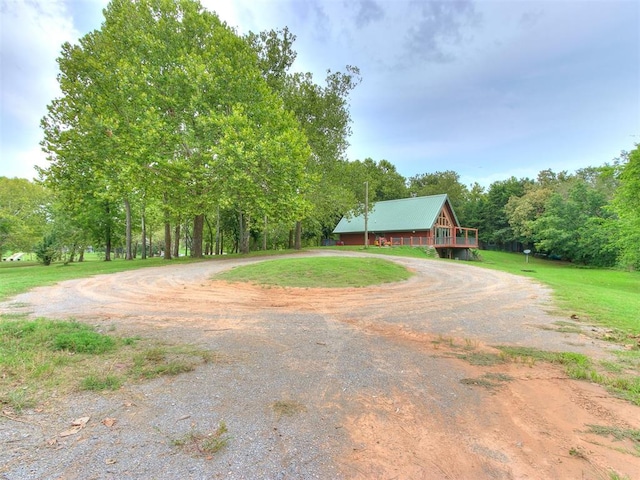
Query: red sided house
417	222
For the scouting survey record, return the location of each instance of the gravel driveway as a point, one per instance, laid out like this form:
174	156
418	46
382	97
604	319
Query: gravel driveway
372	377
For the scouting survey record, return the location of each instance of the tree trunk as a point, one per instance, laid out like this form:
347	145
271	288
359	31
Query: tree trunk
298	241
197	237
107	246
167	229
264	238
143	253
244	233
167	241
209	249
290	245
176	244
127	209
218	236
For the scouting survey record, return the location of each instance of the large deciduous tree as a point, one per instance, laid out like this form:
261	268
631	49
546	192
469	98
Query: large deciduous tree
323	113
167	103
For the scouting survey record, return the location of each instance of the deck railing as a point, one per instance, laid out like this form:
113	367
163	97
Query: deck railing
439	242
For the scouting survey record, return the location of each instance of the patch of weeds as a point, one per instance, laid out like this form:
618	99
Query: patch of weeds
616	476
14	316
627	388
96	383
84	341
18	399
470	344
629	358
166	360
197	443
617	433
488	380
612	367
479	382
169	368
154	355
40	357
577	452
566	327
500	377
482	358
287	408
580	367
613	335
569	329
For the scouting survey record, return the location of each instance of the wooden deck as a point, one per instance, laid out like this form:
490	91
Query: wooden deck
464	238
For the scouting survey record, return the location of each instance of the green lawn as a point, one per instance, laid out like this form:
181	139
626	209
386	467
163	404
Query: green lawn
332	272
605	296
18	277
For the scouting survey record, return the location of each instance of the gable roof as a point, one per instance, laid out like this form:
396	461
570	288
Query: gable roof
405	214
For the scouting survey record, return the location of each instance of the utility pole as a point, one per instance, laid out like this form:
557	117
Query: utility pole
366	214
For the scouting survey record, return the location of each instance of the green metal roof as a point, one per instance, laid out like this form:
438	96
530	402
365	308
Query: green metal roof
405	214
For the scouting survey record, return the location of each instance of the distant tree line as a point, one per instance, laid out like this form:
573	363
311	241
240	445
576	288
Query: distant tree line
591	216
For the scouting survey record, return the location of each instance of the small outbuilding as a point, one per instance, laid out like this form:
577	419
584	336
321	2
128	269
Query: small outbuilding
417	221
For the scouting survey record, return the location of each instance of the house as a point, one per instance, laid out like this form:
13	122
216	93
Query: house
418	222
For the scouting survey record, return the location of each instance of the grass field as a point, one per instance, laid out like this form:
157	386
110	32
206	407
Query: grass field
604	296
331	272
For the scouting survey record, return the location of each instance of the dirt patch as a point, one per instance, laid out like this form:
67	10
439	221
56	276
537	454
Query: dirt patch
392	381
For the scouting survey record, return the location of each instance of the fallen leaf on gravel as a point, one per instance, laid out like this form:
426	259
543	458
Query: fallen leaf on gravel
109	422
110	461
78	424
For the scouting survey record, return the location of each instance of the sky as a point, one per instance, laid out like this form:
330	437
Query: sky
489	89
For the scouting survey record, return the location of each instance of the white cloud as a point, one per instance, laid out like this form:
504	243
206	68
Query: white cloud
31	36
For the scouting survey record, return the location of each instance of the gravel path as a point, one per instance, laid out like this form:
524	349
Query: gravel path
374	390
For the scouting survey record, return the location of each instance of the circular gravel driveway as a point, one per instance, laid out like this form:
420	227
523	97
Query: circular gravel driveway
378	380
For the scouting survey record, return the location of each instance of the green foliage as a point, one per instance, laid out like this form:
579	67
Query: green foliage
627	206
23	212
437	183
46	251
494	228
